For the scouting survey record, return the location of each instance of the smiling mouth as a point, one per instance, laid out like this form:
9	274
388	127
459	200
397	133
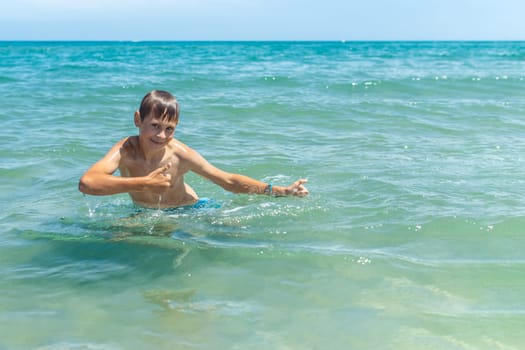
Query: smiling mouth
158	142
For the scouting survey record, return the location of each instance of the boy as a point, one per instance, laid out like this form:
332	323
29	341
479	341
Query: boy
152	165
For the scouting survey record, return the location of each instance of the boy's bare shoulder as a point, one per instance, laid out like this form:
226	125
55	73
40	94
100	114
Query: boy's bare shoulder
185	153
130	141
128	146
181	149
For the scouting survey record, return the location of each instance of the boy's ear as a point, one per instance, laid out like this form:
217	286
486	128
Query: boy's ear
137	120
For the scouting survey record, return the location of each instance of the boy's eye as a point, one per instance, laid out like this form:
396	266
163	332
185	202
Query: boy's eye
169	129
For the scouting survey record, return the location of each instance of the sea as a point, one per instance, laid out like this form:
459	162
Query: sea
411	237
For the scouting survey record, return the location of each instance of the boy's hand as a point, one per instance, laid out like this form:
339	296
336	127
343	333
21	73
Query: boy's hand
297	188
159	180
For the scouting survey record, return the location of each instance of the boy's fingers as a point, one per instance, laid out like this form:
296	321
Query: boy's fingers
300	190
301	181
161	169
164	168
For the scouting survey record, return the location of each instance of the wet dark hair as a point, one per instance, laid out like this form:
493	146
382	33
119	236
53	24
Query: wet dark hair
159	104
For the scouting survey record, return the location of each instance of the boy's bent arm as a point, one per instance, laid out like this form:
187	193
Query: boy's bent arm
99	179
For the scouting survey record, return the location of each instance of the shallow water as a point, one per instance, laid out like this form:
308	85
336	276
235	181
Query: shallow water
412	231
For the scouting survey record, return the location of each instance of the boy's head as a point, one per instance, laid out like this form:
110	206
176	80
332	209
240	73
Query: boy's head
159	105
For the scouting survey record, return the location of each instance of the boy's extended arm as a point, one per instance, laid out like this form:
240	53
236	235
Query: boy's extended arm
99	179
238	183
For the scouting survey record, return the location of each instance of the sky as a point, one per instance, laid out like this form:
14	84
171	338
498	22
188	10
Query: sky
262	20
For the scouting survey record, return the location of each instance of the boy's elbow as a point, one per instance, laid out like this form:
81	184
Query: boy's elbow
84	185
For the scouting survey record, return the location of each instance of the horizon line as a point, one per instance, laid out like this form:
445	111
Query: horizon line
261	40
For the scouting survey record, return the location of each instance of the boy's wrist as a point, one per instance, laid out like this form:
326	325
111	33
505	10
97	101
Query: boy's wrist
279	191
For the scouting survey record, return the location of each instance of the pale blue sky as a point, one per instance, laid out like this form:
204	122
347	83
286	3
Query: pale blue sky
262	20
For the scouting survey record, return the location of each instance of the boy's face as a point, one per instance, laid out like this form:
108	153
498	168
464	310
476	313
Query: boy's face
155	131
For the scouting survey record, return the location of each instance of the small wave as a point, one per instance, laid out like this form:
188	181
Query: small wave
79	346
5	80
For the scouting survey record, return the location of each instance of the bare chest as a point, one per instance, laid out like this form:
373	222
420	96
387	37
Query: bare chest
136	167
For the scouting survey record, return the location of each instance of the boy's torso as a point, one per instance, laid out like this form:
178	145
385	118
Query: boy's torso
133	164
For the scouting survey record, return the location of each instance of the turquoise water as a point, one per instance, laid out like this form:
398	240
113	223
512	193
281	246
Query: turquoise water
411	237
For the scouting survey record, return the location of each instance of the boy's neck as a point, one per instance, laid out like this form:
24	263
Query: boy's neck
151	155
